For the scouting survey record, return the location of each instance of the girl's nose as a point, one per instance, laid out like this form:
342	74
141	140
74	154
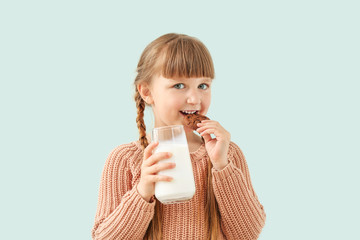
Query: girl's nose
193	98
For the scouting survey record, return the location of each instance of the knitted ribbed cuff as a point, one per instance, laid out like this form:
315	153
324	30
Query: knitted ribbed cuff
140	201
222	174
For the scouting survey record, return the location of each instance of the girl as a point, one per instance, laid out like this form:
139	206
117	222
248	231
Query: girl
174	77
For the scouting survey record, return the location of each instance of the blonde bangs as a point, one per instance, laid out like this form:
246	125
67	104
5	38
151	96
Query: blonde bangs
186	57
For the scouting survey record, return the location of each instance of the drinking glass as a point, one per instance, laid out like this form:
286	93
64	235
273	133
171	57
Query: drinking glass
182	187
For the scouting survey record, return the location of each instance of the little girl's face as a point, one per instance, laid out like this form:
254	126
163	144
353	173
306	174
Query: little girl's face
171	97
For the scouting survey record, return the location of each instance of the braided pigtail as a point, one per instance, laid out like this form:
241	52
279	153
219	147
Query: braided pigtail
140	105
212	209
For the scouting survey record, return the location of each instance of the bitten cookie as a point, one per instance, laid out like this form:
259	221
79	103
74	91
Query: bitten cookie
192	120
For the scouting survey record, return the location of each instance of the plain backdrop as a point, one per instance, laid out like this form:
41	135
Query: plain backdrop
286	88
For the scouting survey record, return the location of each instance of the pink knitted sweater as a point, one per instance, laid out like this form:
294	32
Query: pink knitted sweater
123	214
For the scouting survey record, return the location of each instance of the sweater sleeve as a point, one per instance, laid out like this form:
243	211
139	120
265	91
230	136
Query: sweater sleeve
121	212
242	215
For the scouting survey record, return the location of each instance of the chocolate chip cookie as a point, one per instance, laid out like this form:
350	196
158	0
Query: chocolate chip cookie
191	120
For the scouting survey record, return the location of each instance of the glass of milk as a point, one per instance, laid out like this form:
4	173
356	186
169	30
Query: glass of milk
182	187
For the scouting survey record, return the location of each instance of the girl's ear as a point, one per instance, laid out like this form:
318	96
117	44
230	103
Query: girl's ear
145	93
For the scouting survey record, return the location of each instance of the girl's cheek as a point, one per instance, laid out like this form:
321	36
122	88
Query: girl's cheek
174	101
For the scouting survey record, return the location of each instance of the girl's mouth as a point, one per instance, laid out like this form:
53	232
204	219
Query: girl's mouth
189	112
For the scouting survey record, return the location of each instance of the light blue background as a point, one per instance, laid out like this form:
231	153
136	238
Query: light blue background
286	88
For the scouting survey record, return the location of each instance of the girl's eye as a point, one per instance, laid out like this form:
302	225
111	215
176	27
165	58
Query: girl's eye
203	86
179	86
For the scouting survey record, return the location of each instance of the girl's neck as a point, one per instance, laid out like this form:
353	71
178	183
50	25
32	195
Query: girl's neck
194	141
193	138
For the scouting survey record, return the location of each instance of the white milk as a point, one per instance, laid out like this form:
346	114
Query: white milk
182	187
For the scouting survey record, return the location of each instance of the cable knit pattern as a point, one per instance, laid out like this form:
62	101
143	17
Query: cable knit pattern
123	214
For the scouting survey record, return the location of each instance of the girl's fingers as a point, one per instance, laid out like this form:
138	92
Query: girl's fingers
154	169
205	126
148	150
220	135
157	157
207	134
208	131
207	137
158	178
200	129
206	121
211	127
209	123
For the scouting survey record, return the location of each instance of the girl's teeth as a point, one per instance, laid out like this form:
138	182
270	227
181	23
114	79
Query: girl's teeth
189	112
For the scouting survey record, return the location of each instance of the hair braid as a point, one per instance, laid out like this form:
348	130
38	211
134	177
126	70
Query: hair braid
212	208
154	228
140	105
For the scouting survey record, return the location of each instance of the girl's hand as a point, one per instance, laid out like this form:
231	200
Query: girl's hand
149	169
217	147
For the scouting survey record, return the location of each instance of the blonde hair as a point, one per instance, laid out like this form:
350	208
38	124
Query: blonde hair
175	55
